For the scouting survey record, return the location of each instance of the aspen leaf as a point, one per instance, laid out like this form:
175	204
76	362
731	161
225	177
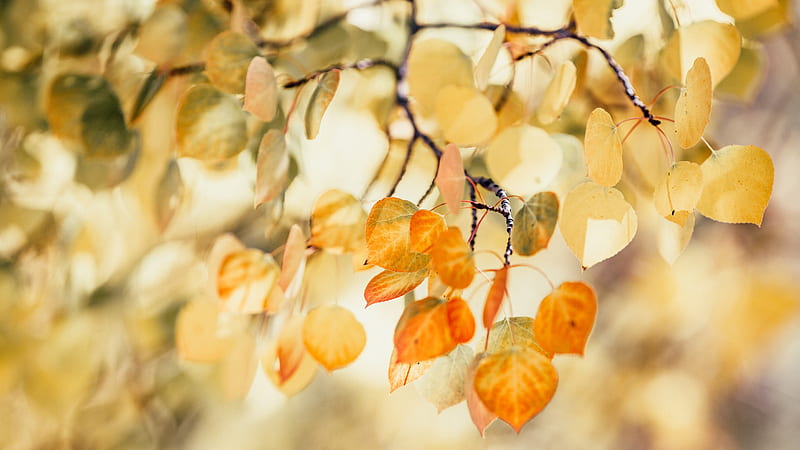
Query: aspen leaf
745	79
443	384
333	336
565	318
465	116
679	191
228	57
321	98
596	222
602	148
718	43
593	17
423	331
745	9
245	281
516	384
299	379
558	93
238	367
497	292
452	259
389	285
388	236
425	228
261	90
693	108
272	167
450	178
400	374
483	68
460	319
432	65
535	223
337	222
673	237
163	35
524	159
290	347
293	261
737	184
513	331
210	125
196	337
478	412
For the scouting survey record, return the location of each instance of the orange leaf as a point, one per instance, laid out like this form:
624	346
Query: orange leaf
260	90
497	292
452	259
300	378
478	412
426	226
337	222
400	374
388	236
333	336
388	285
423	331
450	177
565	318
294	258
516	384
290	347
461	320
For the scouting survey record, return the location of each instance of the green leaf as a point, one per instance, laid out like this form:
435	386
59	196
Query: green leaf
535	223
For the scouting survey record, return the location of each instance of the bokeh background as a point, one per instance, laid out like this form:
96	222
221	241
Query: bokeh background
96	261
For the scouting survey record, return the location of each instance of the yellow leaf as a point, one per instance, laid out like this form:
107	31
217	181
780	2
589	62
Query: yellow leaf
770	20
565	318
443	385
693	108
290	347
594	17
719	43
737	184
388	236
333	336
483	68
272	167
162	36
210	125
450	177
452	259
400	374
321	98
745	79
298	381
679	191
389	285
465	116
673	237
337	222
596	222
535	223
558	93
425	228
432	65
423	331
602	148
196	337
239	367
228	56
245	281
261	90
516	384
524	159
745	9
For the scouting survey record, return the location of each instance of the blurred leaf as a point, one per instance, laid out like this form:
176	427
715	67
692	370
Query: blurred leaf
293	261
272	167
227	59
524	159
673	237
565	318
261	90
239	367
535	223
770	20
719	43
679	191
423	331
389	285
497	293
745	78
745	9
162	37
290	347
299	379
400	374
196	337
558	93
594	17
425	228
483	69
333	336
434	64
443	384
169	193
388	236
105	173
152	84
210	125
337	222
693	108
466	116
450	179
242	279
602	148
321	98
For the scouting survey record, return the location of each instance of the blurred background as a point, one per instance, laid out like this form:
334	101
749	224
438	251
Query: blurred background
98	257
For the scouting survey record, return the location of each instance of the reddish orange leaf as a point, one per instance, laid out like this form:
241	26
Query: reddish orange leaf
388	285
450	177
516	384
400	374
388	231
333	336
452	259
565	318
290	347
497	292
294	258
478	412
426	226
423	331
260	90
461	320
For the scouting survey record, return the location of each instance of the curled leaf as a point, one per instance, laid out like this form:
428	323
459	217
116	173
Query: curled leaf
299	379
565	318
693	108
603	148
484	66
272	167
293	261
558	92
291	349
497	292
535	223
333	336
321	98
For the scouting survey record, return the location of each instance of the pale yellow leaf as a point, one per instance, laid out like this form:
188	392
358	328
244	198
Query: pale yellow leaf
163	35
337	222
693	108
558	93
602	148
210	125
719	43
333	336
745	9
679	191
196	335
443	384
484	66
466	116
523	159
432	65
450	177
321	98
298	381
239	367
272	167
674	237
594	17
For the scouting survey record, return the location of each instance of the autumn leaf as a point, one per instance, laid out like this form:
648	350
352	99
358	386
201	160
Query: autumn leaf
523	158
460	319
389	285
679	191
478	412
718	43
497	292
465	115
272	167
450	178
228	57
333	336
483	68
238	367
210	125
293	261
261	90
534	224
693	108
337	222
388	236
290	347
196	336
452	259
565	318
602	148
245	281
513	331
162	37
594	17
443	384
400	374
423	331
321	98
673	238
434	64
745	9
516	384
557	94
425	228
299	379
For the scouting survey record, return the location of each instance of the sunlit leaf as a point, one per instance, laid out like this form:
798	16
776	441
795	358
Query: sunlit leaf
423	331
478	412
443	384
290	347
449	179
239	367
196	336
293	261
483	68
162	36
497	292
261	90
523	159
400	374
301	377
512	331
272	167
461	320
425	228
535	223
245	281
389	285
432	65
719	43
210	125
602	148
558	93
465	115
593	17
745	9
337	222
596	222
693	108
333	336
737	184
745	79
388	236
321	98
516	384
565	318
452	259
228	56
679	191
674	237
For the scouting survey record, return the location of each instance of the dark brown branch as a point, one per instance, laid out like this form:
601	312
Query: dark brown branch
358	65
